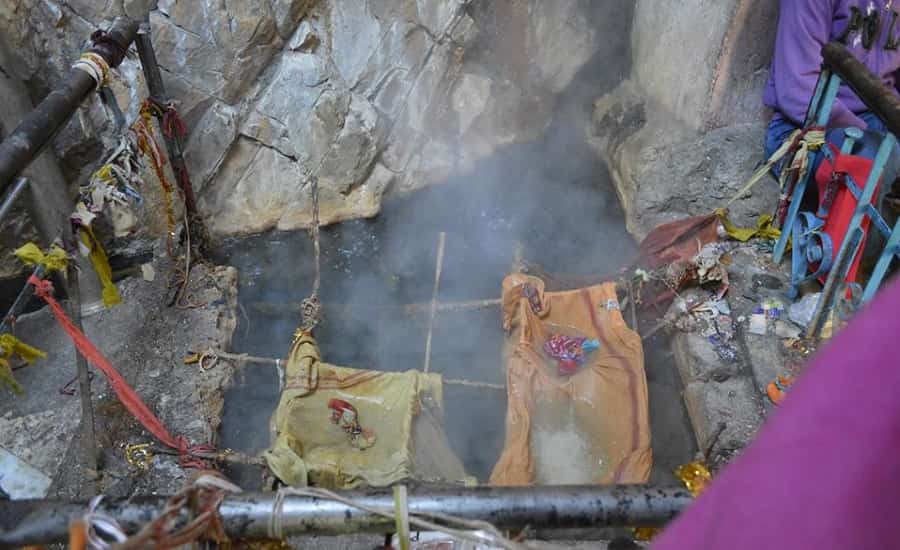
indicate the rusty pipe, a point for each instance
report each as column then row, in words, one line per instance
column 247, row 516
column 878, row 97
column 39, row 126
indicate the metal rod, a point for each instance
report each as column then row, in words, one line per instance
column 247, row 516
column 852, row 240
column 88, row 439
column 10, row 200
column 21, row 301
column 347, row 310
column 822, row 113
column 210, row 354
column 473, row 384
column 879, row 98
column 174, row 146
column 438, row 268
column 40, row 125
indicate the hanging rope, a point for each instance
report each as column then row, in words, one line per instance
column 310, row 308
column 201, row 500
column 189, row 454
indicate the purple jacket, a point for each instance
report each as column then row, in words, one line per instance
column 804, row 26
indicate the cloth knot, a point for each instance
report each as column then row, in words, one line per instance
column 55, row 259
column 42, row 287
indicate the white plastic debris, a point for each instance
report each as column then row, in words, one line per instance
column 20, row 480
column 802, row 311
column 786, row 329
column 148, row 272
column 758, row 324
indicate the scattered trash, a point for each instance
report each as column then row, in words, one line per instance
column 20, row 480
column 569, row 351
column 139, row 455
column 345, row 415
column 764, row 280
column 725, row 350
column 777, row 389
column 786, row 329
column 773, row 308
column 758, row 324
column 148, row 272
column 695, row 476
column 802, row 311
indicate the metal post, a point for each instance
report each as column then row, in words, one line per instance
column 12, row 196
column 852, row 239
column 247, row 516
column 21, row 301
column 884, row 262
column 88, row 439
column 175, row 147
column 40, row 125
column 823, row 114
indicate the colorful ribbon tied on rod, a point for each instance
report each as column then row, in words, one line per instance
column 569, row 351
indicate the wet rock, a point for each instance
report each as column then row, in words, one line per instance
column 257, row 187
column 288, row 13
column 331, row 86
column 469, row 98
column 701, row 171
column 561, row 41
column 219, row 51
column 355, row 35
column 209, row 142
column 436, row 15
column 733, row 402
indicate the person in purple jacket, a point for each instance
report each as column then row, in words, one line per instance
column 871, row 31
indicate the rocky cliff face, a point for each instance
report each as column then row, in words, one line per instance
column 368, row 96
column 685, row 130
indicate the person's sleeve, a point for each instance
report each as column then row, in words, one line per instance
column 804, row 26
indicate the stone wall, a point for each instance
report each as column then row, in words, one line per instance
column 368, row 96
column 686, row 129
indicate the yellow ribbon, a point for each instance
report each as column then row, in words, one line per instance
column 763, row 229
column 101, row 265
column 54, row 260
column 9, row 346
column 695, row 476
column 105, row 174
column 812, row 140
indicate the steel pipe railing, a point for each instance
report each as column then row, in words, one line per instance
column 248, row 516
column 40, row 125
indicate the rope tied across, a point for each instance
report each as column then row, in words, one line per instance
column 190, row 456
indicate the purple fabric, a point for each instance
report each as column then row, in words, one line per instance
column 804, row 26
column 824, row 472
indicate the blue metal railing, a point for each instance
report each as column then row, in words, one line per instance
column 841, row 67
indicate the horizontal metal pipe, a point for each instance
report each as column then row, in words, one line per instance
column 880, row 99
column 14, row 194
column 40, row 125
column 247, row 516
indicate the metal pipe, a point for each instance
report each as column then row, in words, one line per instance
column 40, row 125
column 12, row 197
column 174, row 146
column 247, row 516
column 88, row 435
column 880, row 99
column 21, row 301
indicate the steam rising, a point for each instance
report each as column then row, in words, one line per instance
column 552, row 194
